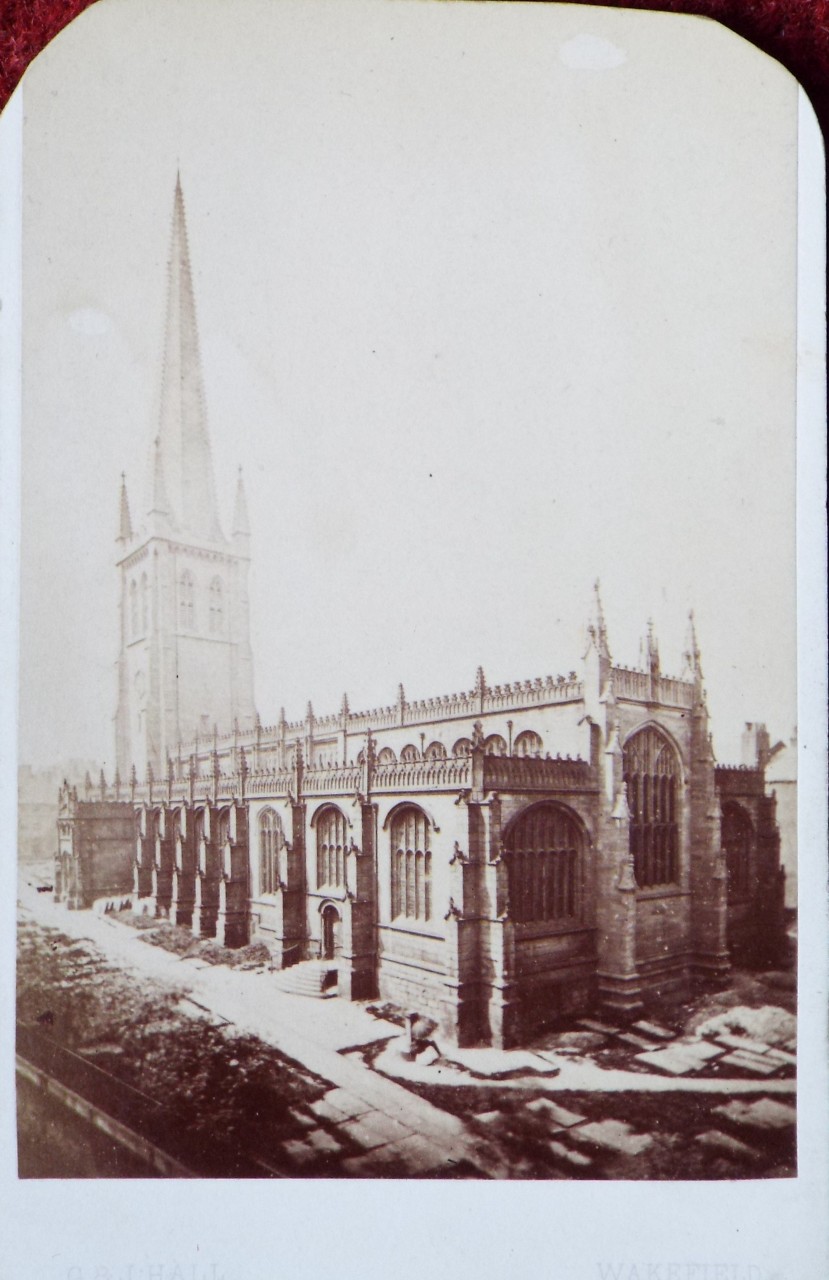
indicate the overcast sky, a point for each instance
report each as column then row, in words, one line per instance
column 493, row 300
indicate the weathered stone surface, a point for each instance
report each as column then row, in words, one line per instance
column 753, row 1063
column 673, row 1061
column 374, row 1130
column 489, row 1117
column 575, row 1158
column 301, row 1152
column 321, row 1141
column 553, row 1113
column 765, row 1114
column 782, row 1056
column 715, row 1140
column 699, row 1050
column 613, row 1135
column 591, row 1024
column 305, row 1121
column 638, row 1042
column 342, row 1102
column 742, row 1042
column 652, row 1029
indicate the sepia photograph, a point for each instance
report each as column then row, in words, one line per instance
column 408, row 680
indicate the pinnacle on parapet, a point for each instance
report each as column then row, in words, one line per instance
column 124, row 520
column 401, row 695
column 692, row 653
column 241, row 522
column 596, row 627
column 480, row 681
column 344, row 707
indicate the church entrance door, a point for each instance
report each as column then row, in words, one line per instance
column 330, row 932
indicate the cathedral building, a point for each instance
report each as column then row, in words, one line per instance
column 497, row 860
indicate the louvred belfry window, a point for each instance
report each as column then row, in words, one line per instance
column 651, row 771
column 411, row 865
column 542, row 850
column 216, row 607
column 186, row 601
column 331, row 845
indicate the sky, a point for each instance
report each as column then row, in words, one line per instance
column 492, row 300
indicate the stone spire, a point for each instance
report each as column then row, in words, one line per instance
column 124, row 521
column 159, row 502
column 241, row 523
column 184, row 440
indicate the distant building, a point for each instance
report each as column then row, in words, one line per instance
column 781, row 781
column 496, row 859
column 37, row 807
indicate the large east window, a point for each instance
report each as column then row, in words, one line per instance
column 651, row 771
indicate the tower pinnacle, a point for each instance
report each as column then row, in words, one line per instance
column 124, row 521
column 241, row 523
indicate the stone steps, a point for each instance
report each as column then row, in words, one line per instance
column 309, row 978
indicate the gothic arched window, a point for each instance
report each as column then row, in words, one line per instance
column 271, row 840
column 527, row 743
column 186, row 601
column 216, row 607
column 435, row 751
column 386, row 756
column 145, row 604
column 411, row 865
column 133, row 609
column 463, row 747
column 495, row 745
column 737, row 833
column 331, row 846
column 651, row 771
column 409, row 754
column 542, row 850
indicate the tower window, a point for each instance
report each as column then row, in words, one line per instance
column 186, row 601
column 145, row 604
column 133, row 609
column 216, row 607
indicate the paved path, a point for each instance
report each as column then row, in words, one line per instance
column 312, row 1032
column 392, row 1124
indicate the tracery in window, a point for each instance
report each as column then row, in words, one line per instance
column 651, row 771
column 737, row 834
column 542, row 850
column 271, row 841
column 411, row 865
column 331, row 846
column 527, row 743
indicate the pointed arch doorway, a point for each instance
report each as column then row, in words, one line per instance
column 331, row 939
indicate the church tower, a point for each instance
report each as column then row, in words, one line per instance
column 184, row 663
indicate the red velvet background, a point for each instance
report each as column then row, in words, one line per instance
column 796, row 32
